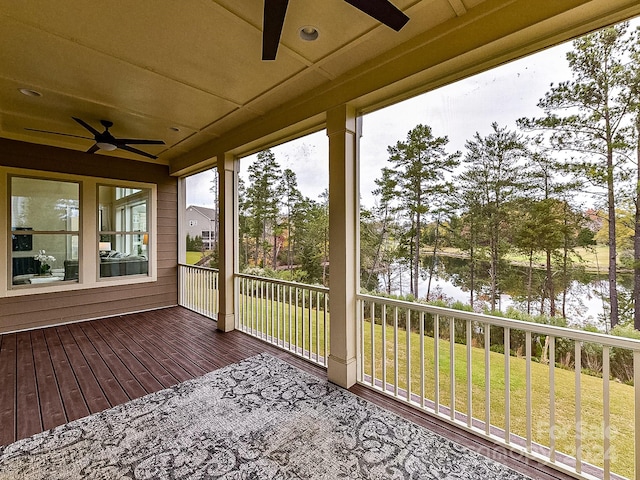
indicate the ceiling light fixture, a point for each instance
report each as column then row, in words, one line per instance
column 108, row 147
column 308, row 33
column 29, row 93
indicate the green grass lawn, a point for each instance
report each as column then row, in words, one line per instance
column 622, row 396
column 193, row 257
column 594, row 258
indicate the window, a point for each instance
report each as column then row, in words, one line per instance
column 45, row 230
column 123, row 234
column 205, row 234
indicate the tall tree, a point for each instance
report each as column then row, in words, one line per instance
column 586, row 115
column 634, row 86
column 261, row 202
column 419, row 167
column 291, row 199
column 383, row 218
column 493, row 171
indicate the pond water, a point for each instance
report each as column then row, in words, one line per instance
column 585, row 298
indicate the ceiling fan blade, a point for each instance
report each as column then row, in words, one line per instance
column 273, row 20
column 137, row 141
column 57, row 133
column 94, row 148
column 383, row 11
column 86, row 125
column 135, row 150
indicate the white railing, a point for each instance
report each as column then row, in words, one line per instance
column 451, row 364
column 198, row 289
column 292, row 316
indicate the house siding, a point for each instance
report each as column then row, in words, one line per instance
column 42, row 309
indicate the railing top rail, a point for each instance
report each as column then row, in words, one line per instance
column 198, row 267
column 315, row 288
column 552, row 330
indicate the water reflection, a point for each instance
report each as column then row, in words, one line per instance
column 581, row 295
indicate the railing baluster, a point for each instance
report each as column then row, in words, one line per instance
column 395, row 351
column 452, row 368
column 304, row 325
column 636, row 388
column 528, row 407
column 487, row 379
column 279, row 331
column 325, row 326
column 606, row 415
column 384, row 348
column 289, row 317
column 318, row 327
column 436, row 362
column 507, row 385
column 408, row 347
column 373, row 344
column 578, row 392
column 469, row 376
column 296, row 320
column 422, row 360
column 552, row 398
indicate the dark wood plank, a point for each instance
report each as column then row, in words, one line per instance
column 151, row 376
column 113, row 391
column 94, row 396
column 188, row 359
column 73, row 400
column 27, row 405
column 8, row 390
column 173, row 363
column 127, row 381
column 49, row 397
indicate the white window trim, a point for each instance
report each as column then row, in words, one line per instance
column 88, row 254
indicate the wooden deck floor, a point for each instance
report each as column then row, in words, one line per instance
column 54, row 375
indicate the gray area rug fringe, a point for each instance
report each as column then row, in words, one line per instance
column 258, row 419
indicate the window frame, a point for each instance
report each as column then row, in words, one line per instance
column 124, row 224
column 88, row 254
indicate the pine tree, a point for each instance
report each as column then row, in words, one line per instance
column 586, row 115
column 419, row 166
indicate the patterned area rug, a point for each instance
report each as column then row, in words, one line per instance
column 258, row 419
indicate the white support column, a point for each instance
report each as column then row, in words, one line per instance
column 182, row 208
column 343, row 244
column 227, row 188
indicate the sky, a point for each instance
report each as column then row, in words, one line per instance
column 458, row 111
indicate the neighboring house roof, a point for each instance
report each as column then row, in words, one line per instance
column 208, row 213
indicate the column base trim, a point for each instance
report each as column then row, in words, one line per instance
column 342, row 372
column 226, row 323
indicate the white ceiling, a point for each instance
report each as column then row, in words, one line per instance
column 191, row 74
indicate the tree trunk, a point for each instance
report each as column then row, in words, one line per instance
column 529, row 281
column 472, row 273
column 493, row 268
column 433, row 258
column 416, row 257
column 613, row 291
column 636, row 236
column 550, row 289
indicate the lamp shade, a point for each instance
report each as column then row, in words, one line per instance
column 102, row 246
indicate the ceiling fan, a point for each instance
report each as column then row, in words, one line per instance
column 106, row 141
column 274, row 12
